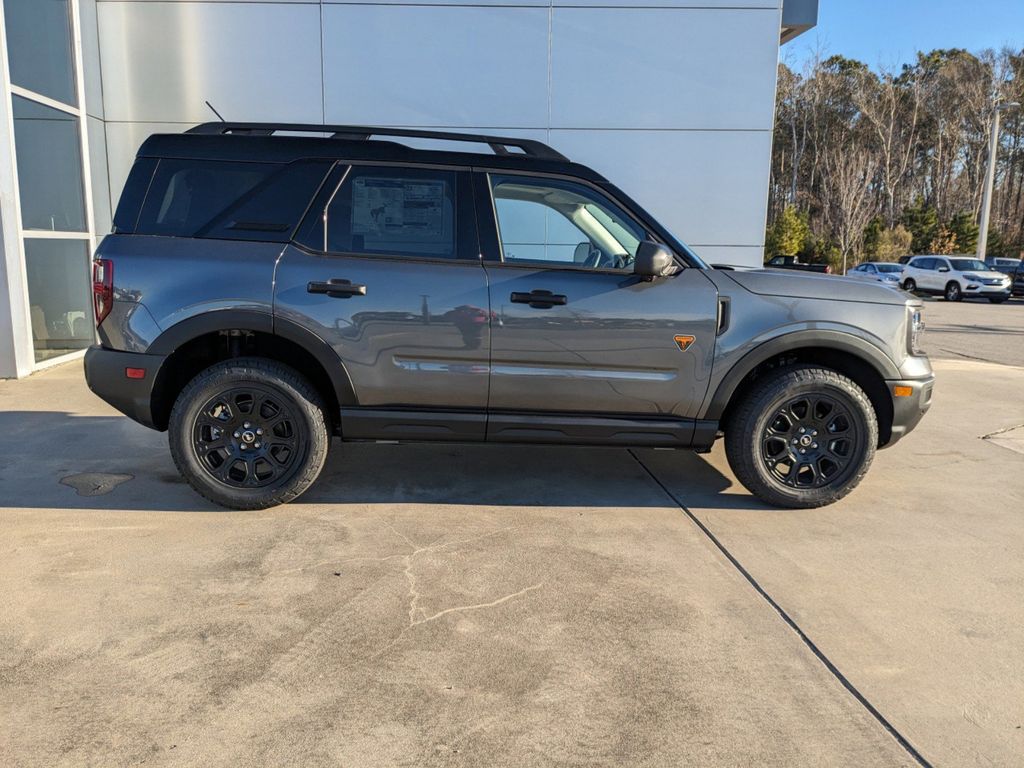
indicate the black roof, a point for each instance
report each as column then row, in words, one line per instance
column 263, row 142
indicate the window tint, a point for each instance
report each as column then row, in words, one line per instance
column 188, row 195
column 394, row 212
column 554, row 222
column 923, row 263
column 271, row 210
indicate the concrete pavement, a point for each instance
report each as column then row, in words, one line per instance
column 473, row 605
column 976, row 330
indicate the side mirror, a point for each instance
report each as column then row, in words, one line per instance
column 943, row 269
column 653, row 260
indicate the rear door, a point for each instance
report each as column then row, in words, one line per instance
column 574, row 330
column 921, row 272
column 387, row 271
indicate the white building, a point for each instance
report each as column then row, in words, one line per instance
column 673, row 100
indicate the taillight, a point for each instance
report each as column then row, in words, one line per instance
column 102, row 288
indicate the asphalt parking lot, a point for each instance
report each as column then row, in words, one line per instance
column 492, row 606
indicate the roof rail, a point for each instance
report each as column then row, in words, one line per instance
column 500, row 144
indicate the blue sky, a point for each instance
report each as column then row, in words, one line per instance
column 889, row 32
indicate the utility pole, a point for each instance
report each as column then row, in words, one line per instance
column 990, row 176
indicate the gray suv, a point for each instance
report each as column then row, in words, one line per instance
column 266, row 287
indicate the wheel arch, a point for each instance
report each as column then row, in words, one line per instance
column 849, row 355
column 200, row 341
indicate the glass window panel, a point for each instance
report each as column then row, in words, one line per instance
column 186, row 195
column 58, row 296
column 395, row 212
column 39, row 47
column 49, row 156
column 547, row 220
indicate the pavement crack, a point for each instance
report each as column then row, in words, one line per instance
column 478, row 606
column 410, row 576
column 902, row 740
column 1002, row 431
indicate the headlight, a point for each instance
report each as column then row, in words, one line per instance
column 915, row 335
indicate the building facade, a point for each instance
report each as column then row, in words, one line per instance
column 671, row 99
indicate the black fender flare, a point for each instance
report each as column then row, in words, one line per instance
column 263, row 322
column 847, row 343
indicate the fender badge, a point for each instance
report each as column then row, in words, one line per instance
column 683, row 342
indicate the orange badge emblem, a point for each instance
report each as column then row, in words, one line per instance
column 683, row 342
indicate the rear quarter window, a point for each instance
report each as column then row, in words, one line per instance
column 229, row 200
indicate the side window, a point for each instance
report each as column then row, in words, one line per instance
column 186, row 195
column 271, row 210
column 394, row 212
column 923, row 263
column 870, row 269
column 940, row 263
column 549, row 222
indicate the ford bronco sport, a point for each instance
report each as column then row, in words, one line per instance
column 266, row 287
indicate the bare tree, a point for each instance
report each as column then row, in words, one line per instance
column 891, row 106
column 848, row 173
column 854, row 144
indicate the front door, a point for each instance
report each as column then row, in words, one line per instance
column 388, row 273
column 574, row 330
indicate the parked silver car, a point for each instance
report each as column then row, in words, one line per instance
column 883, row 272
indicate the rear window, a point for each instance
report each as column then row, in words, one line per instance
column 229, row 200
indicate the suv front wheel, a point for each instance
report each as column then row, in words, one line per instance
column 249, row 433
column 803, row 437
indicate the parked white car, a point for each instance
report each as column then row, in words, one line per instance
column 883, row 272
column 955, row 277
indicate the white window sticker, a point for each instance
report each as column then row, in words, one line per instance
column 399, row 210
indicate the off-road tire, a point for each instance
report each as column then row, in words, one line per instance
column 278, row 381
column 747, row 426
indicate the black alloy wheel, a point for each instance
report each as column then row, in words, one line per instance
column 248, row 437
column 249, row 433
column 810, row 442
column 801, row 436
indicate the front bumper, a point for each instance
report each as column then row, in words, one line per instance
column 908, row 408
column 993, row 291
column 106, row 375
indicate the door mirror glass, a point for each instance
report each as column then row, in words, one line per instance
column 654, row 260
column 943, row 269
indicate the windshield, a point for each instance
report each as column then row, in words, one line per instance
column 970, row 265
column 889, row 267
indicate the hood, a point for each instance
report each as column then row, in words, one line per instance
column 810, row 285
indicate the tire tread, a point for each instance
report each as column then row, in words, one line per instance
column 268, row 372
column 741, row 425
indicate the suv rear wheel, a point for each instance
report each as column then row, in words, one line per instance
column 803, row 437
column 249, row 433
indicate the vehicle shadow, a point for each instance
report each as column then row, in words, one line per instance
column 57, row 460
